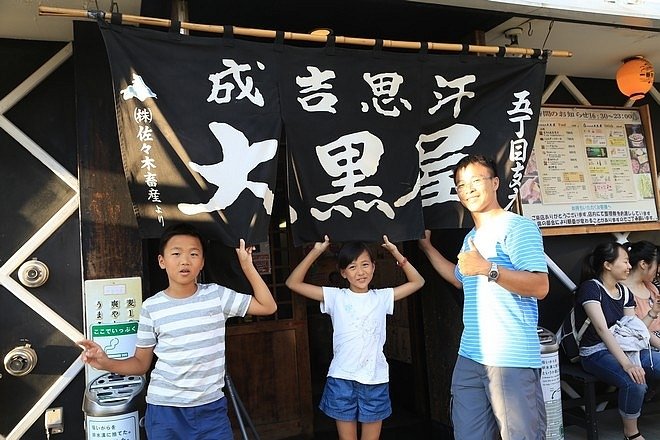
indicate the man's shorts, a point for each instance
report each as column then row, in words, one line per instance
column 204, row 422
column 349, row 401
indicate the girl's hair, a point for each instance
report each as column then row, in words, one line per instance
column 593, row 264
column 350, row 251
column 641, row 251
column 180, row 229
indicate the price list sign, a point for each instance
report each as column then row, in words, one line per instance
column 591, row 167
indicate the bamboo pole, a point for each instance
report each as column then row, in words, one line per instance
column 270, row 34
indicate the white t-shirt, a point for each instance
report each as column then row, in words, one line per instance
column 358, row 321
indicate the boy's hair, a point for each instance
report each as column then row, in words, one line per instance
column 180, row 229
column 350, row 251
column 478, row 159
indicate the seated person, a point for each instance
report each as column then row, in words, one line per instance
column 602, row 298
column 643, row 258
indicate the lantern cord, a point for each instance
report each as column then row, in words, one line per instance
column 270, row 34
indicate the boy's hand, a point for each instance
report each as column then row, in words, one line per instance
column 322, row 246
column 93, row 354
column 244, row 254
column 388, row 245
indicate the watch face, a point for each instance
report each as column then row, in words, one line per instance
column 494, row 273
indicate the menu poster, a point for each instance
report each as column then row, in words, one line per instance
column 590, row 166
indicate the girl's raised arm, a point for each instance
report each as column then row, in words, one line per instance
column 296, row 280
column 415, row 280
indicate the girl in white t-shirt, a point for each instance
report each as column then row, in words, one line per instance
column 356, row 389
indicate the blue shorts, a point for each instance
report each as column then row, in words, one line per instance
column 349, row 401
column 204, row 422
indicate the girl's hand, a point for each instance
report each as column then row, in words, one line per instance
column 636, row 373
column 388, row 245
column 322, row 246
column 244, row 254
column 656, row 303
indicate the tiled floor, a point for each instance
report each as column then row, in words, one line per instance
column 610, row 427
column 401, row 425
column 404, row 426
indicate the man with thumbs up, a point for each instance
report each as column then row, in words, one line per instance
column 496, row 388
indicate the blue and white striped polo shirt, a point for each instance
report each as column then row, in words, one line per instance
column 500, row 327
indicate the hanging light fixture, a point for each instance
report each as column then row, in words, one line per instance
column 513, row 34
column 635, row 77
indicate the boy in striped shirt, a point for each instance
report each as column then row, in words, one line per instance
column 184, row 325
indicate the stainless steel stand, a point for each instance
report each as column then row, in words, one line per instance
column 241, row 413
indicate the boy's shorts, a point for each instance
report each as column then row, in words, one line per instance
column 349, row 401
column 204, row 422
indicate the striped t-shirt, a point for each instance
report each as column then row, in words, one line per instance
column 500, row 327
column 188, row 336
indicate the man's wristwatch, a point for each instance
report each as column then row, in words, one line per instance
column 493, row 273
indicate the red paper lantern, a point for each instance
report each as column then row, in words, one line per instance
column 635, row 77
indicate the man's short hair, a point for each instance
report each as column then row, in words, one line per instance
column 478, row 159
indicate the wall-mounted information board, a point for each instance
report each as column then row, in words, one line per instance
column 592, row 169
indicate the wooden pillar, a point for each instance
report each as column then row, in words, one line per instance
column 111, row 246
column 442, row 306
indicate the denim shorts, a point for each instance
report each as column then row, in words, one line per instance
column 349, row 401
column 204, row 422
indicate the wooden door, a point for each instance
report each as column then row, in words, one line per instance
column 39, row 219
column 268, row 357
